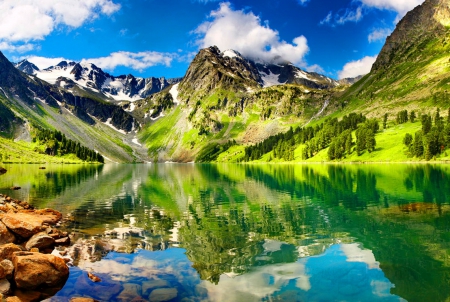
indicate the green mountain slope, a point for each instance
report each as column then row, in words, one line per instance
column 412, row 70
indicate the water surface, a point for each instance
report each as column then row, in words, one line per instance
column 249, row 232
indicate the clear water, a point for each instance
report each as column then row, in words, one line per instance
column 250, row 232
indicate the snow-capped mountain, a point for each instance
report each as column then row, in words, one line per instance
column 271, row 74
column 88, row 76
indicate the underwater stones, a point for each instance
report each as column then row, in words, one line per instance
column 163, row 294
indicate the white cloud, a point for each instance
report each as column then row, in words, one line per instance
column 302, row 2
column 241, row 31
column 399, row 6
column 350, row 16
column 379, row 34
column 137, row 61
column 356, row 68
column 30, row 20
column 43, row 62
column 20, row 48
column 327, row 19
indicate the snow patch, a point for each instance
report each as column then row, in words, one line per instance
column 108, row 123
column 136, row 141
column 302, row 75
column 174, row 92
column 270, row 79
column 230, row 53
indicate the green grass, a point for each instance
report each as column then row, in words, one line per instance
column 23, row 152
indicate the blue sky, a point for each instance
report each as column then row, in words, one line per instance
column 338, row 38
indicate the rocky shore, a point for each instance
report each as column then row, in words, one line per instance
column 28, row 269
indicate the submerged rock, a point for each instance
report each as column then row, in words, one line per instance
column 163, row 294
column 32, row 270
column 2, row 170
column 130, row 291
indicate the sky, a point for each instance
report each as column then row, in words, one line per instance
column 339, row 38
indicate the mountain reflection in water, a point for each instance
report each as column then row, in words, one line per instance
column 250, row 232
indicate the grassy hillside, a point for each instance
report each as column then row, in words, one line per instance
column 24, row 152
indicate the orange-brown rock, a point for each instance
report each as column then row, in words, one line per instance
column 8, row 267
column 40, row 240
column 82, row 299
column 5, row 235
column 28, row 295
column 93, row 277
column 22, row 224
column 32, row 270
column 7, row 250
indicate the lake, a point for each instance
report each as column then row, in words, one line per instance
column 172, row 232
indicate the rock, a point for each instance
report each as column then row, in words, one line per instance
column 93, row 277
column 34, row 250
column 151, row 285
column 42, row 168
column 15, row 188
column 24, row 225
column 129, row 292
column 40, row 240
column 48, row 216
column 8, row 267
column 62, row 241
column 82, row 299
column 5, row 286
column 7, row 250
column 13, row 299
column 138, row 299
column 28, row 295
column 3, row 170
column 163, row 294
column 5, row 235
column 32, row 270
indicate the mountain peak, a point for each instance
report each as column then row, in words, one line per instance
column 428, row 20
column 27, row 67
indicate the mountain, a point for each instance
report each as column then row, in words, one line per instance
column 225, row 97
column 212, row 69
column 93, row 79
column 27, row 102
column 412, row 69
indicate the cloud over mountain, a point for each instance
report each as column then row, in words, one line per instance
column 244, row 32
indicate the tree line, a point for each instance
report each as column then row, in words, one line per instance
column 432, row 139
column 332, row 133
column 56, row 143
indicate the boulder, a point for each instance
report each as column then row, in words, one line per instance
column 8, row 267
column 5, row 286
column 62, row 241
column 163, row 294
column 6, row 236
column 40, row 240
column 7, row 250
column 13, row 299
column 23, row 224
column 28, row 295
column 32, row 270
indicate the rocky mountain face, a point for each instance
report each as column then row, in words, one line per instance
column 94, row 79
column 427, row 21
column 26, row 102
column 212, row 70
